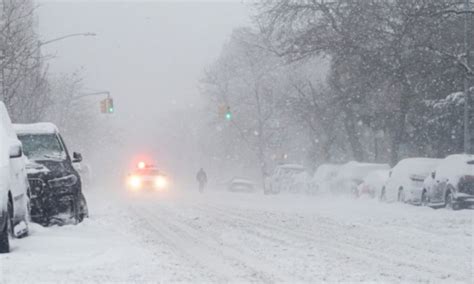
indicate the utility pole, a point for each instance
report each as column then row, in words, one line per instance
column 467, row 95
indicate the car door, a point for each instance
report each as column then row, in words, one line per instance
column 18, row 179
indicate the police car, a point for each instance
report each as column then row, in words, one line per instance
column 147, row 177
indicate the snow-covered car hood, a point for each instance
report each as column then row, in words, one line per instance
column 48, row 169
column 33, row 168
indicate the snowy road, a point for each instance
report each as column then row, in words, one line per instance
column 224, row 237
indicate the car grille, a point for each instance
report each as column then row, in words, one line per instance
column 467, row 187
column 37, row 187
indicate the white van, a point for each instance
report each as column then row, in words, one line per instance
column 14, row 190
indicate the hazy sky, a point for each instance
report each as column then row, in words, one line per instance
column 149, row 55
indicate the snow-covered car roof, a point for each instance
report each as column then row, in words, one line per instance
column 455, row 166
column 356, row 170
column 325, row 171
column 36, row 128
column 415, row 166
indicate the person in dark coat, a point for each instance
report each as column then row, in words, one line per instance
column 201, row 177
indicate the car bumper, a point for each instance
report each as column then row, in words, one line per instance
column 465, row 200
column 47, row 202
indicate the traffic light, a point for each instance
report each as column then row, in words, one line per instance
column 228, row 114
column 110, row 105
column 107, row 105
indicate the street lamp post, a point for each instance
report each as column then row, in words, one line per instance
column 41, row 43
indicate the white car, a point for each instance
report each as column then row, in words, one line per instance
column 287, row 178
column 241, row 185
column 323, row 177
column 451, row 184
column 373, row 183
column 405, row 182
column 4, row 186
column 14, row 188
column 351, row 174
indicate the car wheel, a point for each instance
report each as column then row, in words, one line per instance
column 401, row 195
column 10, row 219
column 26, row 219
column 4, row 241
column 450, row 202
column 424, row 198
column 84, row 210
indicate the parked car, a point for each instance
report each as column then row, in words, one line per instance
column 238, row 184
column 4, row 191
column 373, row 183
column 405, row 182
column 351, row 174
column 14, row 188
column 287, row 178
column 56, row 189
column 323, row 177
column 451, row 184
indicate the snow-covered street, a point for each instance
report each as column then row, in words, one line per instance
column 231, row 237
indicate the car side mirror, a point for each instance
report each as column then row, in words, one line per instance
column 76, row 157
column 15, row 151
column 433, row 175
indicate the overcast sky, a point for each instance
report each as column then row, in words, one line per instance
column 149, row 55
column 143, row 50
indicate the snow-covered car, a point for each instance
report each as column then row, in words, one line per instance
column 451, row 184
column 373, row 183
column 14, row 188
column 405, row 182
column 4, row 192
column 238, row 184
column 351, row 174
column 323, row 177
column 287, row 178
column 147, row 177
column 56, row 189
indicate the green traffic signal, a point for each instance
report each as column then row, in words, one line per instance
column 228, row 115
column 110, row 105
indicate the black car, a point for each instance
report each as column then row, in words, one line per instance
column 56, row 189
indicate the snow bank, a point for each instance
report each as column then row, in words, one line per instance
column 351, row 174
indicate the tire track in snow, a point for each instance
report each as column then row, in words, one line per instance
column 345, row 250
column 227, row 264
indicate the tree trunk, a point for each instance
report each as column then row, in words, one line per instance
column 350, row 127
column 399, row 130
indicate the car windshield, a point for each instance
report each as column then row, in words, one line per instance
column 42, row 146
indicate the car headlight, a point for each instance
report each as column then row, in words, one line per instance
column 161, row 182
column 135, row 182
column 65, row 181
